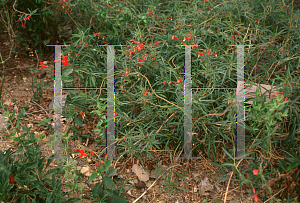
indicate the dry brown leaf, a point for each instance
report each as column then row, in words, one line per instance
column 141, row 174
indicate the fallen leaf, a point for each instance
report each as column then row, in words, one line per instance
column 141, row 174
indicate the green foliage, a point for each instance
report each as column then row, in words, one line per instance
column 105, row 190
column 149, row 102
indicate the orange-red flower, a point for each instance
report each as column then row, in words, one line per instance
column 82, row 153
column 126, row 71
column 174, row 37
column 199, row 54
column 12, row 180
column 27, row 18
column 133, row 41
column 92, row 153
column 255, row 198
column 109, row 6
column 255, row 171
column 209, row 51
column 96, row 164
column 65, row 61
column 82, row 114
column 42, row 65
column 187, row 38
column 285, row 99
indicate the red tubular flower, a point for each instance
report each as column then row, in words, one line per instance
column 164, row 82
column 180, row 80
column 172, row 82
column 209, row 51
column 255, row 172
column 140, row 47
column 12, row 180
column 285, row 99
column 170, row 18
column 82, row 153
column 143, row 103
column 82, row 114
column 42, row 65
column 122, row 74
column 102, row 162
column 184, row 44
column 293, row 86
column 187, row 38
column 127, row 71
column 27, row 18
column 65, row 61
column 199, row 54
column 96, row 164
column 77, row 150
column 255, row 198
column 141, row 60
column 63, row 181
column 207, row 7
column 9, row 104
column 206, row 0
column 133, row 41
column 92, row 153
column 109, row 6
column 150, row 13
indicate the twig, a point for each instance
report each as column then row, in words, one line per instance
column 215, row 114
column 42, row 108
column 274, row 195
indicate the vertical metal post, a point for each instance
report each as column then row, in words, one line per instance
column 110, row 140
column 240, row 153
column 187, row 104
column 57, row 103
